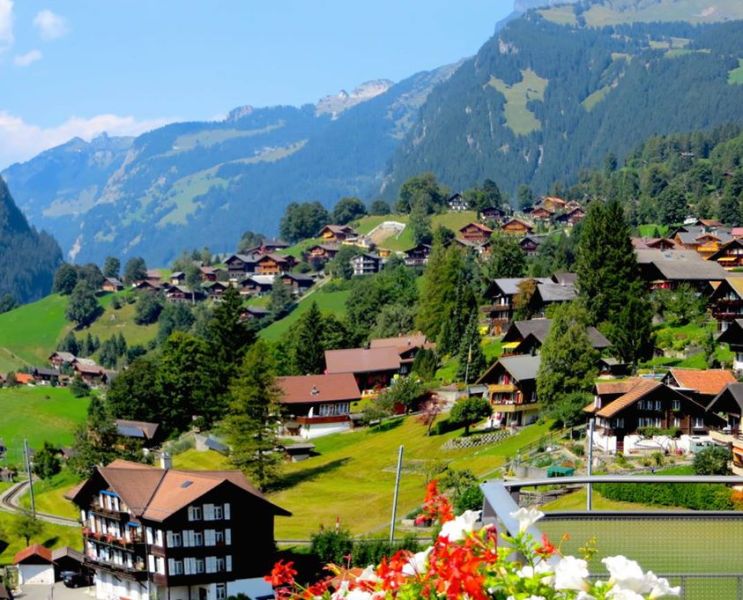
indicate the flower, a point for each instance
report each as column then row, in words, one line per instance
column 281, row 574
column 571, row 573
column 627, row 574
column 545, row 549
column 458, row 528
column 527, row 517
column 661, row 587
column 417, row 563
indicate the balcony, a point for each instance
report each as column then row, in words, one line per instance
column 726, row 436
column 502, row 388
column 137, row 570
column 112, row 540
column 514, row 408
column 319, row 420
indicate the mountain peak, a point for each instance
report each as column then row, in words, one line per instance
column 336, row 104
column 238, row 113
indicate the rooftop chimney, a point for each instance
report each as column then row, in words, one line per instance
column 314, row 391
column 166, row 462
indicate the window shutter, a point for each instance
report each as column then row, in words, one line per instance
column 169, row 538
column 226, row 510
column 228, row 536
column 151, row 563
column 209, row 537
column 211, row 564
column 208, row 512
column 171, row 566
column 228, row 562
column 190, row 513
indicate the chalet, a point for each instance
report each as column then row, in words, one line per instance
column 554, row 203
column 626, row 410
column 517, row 227
column 175, row 534
column 34, row 566
column 44, row 375
column 322, row 252
column 182, row 293
column 702, row 240
column 154, row 276
column 729, row 404
column 60, row 359
column 512, row 390
column 207, row 273
column 267, row 246
column 298, row 282
column 541, row 213
column 668, row 270
column 530, row 244
column 216, row 289
column 112, row 285
column 550, row 293
column 373, row 368
column 366, row 264
column 150, row 434
column 254, row 312
column 479, row 248
column 256, row 285
column 493, row 213
column 317, row 405
column 730, row 255
column 571, row 217
column 457, row 203
column 732, row 335
column 146, row 285
column 653, row 244
column 501, row 293
column 407, row 347
column 177, row 278
column 336, row 233
column 726, row 302
column 92, row 374
column 274, row 264
column 238, row 265
column 527, row 337
column 701, row 385
column 418, row 256
column 475, row 232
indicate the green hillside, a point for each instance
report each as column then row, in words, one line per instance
column 328, row 302
column 31, row 332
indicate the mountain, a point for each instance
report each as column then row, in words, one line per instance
column 28, row 258
column 198, row 184
column 551, row 94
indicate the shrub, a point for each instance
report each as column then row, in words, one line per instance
column 712, row 461
column 693, row 496
column 332, row 545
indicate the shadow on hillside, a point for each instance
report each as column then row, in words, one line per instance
column 51, row 542
column 292, row 479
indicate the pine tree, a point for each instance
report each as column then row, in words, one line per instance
column 471, row 358
column 308, row 355
column 631, row 330
column 253, row 417
column 730, row 207
column 281, row 299
column 435, row 290
column 228, row 336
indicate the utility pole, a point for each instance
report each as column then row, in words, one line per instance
column 394, row 498
column 467, row 369
column 27, row 452
column 589, row 487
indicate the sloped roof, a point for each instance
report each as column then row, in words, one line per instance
column 66, row 551
column 65, row 356
column 555, row 292
column 563, row 277
column 510, row 285
column 637, row 392
column 362, row 360
column 616, row 387
column 731, row 392
column 147, row 430
column 709, row 382
column 480, row 226
column 723, row 249
column 733, row 334
column 34, row 554
column 682, row 265
column 401, row 342
column 329, row 387
column 522, row 367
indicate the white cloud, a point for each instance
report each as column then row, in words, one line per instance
column 6, row 24
column 24, row 60
column 21, row 141
column 50, row 25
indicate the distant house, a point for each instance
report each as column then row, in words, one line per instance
column 571, row 217
column 475, row 232
column 215, row 289
column 317, row 405
column 530, row 244
column 729, row 403
column 550, row 293
column 45, row 375
column 322, row 252
column 147, row 285
column 668, row 270
column 730, row 255
column 623, row 413
column 148, row 433
column 182, row 293
column 653, row 244
column 366, row 264
column 726, row 302
column 479, row 247
column 298, row 282
column 512, row 390
column 407, row 347
column 373, row 368
column 177, row 278
column 207, row 273
column 501, row 293
column 274, row 264
column 112, row 284
column 517, row 227
column 92, row 374
column 254, row 312
column 703, row 240
column 336, row 233
column 701, row 385
column 527, row 337
column 541, row 213
column 733, row 336
column 35, row 566
column 60, row 359
column 256, row 285
column 493, row 213
column 154, row 276
column 239, row 265
column 24, row 378
column 457, row 203
column 418, row 256
column 554, row 203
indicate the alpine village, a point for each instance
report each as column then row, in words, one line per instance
column 233, row 352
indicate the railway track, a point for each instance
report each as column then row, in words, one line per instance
column 9, row 503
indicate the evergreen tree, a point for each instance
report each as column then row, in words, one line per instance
column 175, row 316
column 228, row 335
column 111, row 267
column 506, row 259
column 631, row 330
column 471, row 358
column 439, row 285
column 83, row 306
column 309, row 353
column 65, row 279
column 730, row 207
column 193, row 280
column 568, row 361
column 525, row 197
column 672, row 205
column 95, row 442
column 254, row 416
column 348, row 209
column 135, row 270
column 46, row 462
column 420, row 225
column 281, row 299
column 69, row 344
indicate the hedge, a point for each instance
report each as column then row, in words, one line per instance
column 697, row 496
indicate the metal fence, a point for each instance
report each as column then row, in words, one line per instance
column 700, row 550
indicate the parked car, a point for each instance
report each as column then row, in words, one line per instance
column 74, row 579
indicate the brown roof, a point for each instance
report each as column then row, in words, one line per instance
column 402, row 342
column 36, row 551
column 480, row 226
column 156, row 494
column 148, row 429
column 616, row 387
column 362, row 360
column 709, row 382
column 66, row 551
column 89, row 369
column 638, row 391
column 330, row 387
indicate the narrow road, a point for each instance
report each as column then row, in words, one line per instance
column 9, row 503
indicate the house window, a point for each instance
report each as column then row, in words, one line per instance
column 219, row 536
column 658, row 405
column 220, row 564
column 335, row 409
column 676, row 404
column 698, row 422
column 617, row 423
column 676, row 422
column 221, row 591
column 199, row 566
column 177, row 567
column 194, row 513
column 218, row 512
column 198, row 538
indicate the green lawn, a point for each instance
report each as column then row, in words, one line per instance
column 330, row 302
column 52, row 536
column 112, row 322
column 31, row 332
column 194, row 460
column 735, row 77
column 38, row 414
column 357, row 470
column 49, row 495
column 452, row 220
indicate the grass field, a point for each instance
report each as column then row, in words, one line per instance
column 592, row 100
column 38, row 414
column 193, row 460
column 357, row 470
column 518, row 116
column 331, row 302
column 112, row 322
column 49, row 495
column 52, row 536
column 452, row 220
column 32, row 331
column 563, row 15
column 735, row 77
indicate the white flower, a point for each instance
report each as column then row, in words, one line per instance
column 417, row 564
column 661, row 587
column 456, row 529
column 368, row 574
column 532, row 597
column 628, row 575
column 619, row 593
column 541, row 568
column 570, row 573
column 527, row 517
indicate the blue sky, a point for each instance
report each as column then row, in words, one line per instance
column 78, row 67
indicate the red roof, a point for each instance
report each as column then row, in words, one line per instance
column 330, row 387
column 709, row 382
column 479, row 226
column 362, row 360
column 37, row 552
column 24, row 378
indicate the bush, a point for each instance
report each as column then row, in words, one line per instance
column 79, row 388
column 331, row 546
column 693, row 496
column 444, row 426
column 712, row 461
column 370, row 551
column 469, row 499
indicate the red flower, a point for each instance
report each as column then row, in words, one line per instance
column 546, row 548
column 281, row 574
column 436, row 505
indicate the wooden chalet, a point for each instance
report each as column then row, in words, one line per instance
column 732, row 335
column 669, row 269
column 322, row 252
column 239, row 265
column 177, row 278
column 554, row 203
column 366, row 264
column 317, row 405
column 541, row 213
column 493, row 213
column 298, row 282
column 701, row 385
column 254, row 313
column 59, row 359
column 216, row 289
column 207, row 273
column 729, row 405
column 527, row 337
column 517, row 227
column 726, row 302
column 571, row 217
column 628, row 408
column 92, row 374
column 530, row 244
column 418, row 256
column 457, row 203
column 45, row 375
column 146, row 285
column 182, row 293
column 702, row 239
column 373, row 368
column 337, row 233
column 730, row 255
column 256, row 285
column 407, row 347
column 475, row 232
column 112, row 285
column 501, row 292
column 512, row 390
column 653, row 244
column 274, row 264
column 549, row 293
